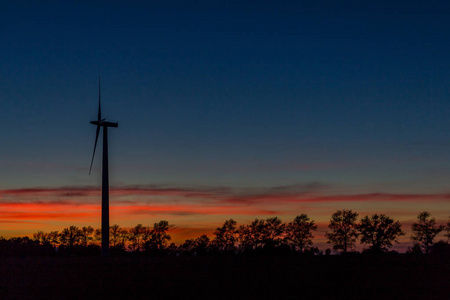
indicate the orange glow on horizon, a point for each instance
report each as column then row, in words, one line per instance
column 196, row 211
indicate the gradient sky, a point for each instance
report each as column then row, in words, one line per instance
column 242, row 109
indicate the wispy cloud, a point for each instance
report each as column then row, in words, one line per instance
column 50, row 192
column 33, row 215
column 182, row 210
column 21, row 222
column 155, row 200
column 197, row 210
column 304, row 192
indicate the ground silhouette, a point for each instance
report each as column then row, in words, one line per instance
column 226, row 277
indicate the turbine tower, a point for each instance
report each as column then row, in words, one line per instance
column 105, row 181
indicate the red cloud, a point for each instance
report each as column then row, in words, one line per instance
column 22, row 222
column 141, row 202
column 70, row 210
column 47, row 216
column 218, row 196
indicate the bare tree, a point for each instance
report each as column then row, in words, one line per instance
column 344, row 231
column 379, row 231
column 299, row 232
column 425, row 230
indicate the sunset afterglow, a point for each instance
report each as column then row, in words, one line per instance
column 227, row 110
column 196, row 211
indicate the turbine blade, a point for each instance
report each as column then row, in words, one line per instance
column 99, row 107
column 95, row 146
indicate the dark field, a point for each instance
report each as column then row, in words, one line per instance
column 293, row 277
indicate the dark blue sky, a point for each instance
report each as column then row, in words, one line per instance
column 228, row 93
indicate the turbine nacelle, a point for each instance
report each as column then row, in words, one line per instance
column 105, row 123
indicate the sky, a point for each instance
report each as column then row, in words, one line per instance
column 226, row 109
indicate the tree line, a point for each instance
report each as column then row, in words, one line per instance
column 376, row 233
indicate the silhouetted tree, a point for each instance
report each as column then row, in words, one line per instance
column 250, row 236
column 70, row 236
column 3, row 245
column 425, row 230
column 344, row 230
column 23, row 246
column 41, row 237
column 118, row 238
column 273, row 233
column 440, row 248
column 86, row 235
column 299, row 232
column 123, row 238
column 98, row 236
column 201, row 244
column 379, row 231
column 114, row 234
column 198, row 246
column 53, row 238
column 146, row 235
column 135, row 238
column 188, row 246
column 244, row 238
column 262, row 234
column 172, row 249
column 415, row 249
column 313, row 251
column 225, row 237
column 158, row 236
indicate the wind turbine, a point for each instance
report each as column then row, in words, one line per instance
column 105, row 181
